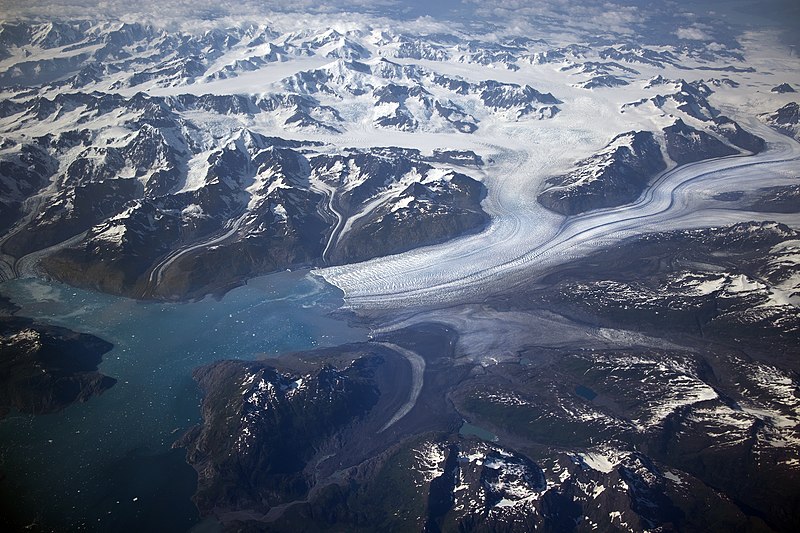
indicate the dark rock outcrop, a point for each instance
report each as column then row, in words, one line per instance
column 44, row 369
column 261, row 427
column 783, row 88
column 615, row 176
column 786, row 119
column 605, row 80
column 776, row 200
column 686, row 144
column 24, row 170
column 423, row 213
column 736, row 135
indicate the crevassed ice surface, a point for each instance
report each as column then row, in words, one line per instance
column 523, row 235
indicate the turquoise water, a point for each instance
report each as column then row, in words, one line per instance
column 468, row 429
column 106, row 464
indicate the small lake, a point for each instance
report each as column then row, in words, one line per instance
column 585, row 392
column 107, row 464
column 468, row 429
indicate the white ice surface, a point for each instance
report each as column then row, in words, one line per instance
column 524, row 239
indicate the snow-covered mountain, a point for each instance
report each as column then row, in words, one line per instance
column 583, row 243
column 163, row 143
column 613, row 176
column 786, row 119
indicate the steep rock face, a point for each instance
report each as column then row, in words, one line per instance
column 24, row 170
column 71, row 211
column 116, row 254
column 261, row 427
column 140, row 173
column 518, row 101
column 689, row 98
column 44, row 369
column 604, row 80
column 409, row 47
column 430, row 212
column 96, row 174
column 361, row 174
column 253, row 206
column 632, row 53
column 392, row 111
column 431, row 483
column 736, row 135
column 456, row 157
column 692, row 99
column 686, row 144
column 783, row 88
column 614, row 176
column 786, row 119
column 737, row 282
column 284, row 231
column 389, row 199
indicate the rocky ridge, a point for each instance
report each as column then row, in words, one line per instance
column 44, row 369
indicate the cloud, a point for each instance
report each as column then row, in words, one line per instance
column 692, row 34
column 175, row 10
column 648, row 21
column 592, row 15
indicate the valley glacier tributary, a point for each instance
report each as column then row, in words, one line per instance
column 105, row 460
column 524, row 239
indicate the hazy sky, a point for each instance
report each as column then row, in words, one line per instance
column 663, row 18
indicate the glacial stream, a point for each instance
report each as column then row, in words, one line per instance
column 107, row 464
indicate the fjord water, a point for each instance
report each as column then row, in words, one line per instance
column 107, row 464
